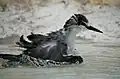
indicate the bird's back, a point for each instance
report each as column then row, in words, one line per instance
column 50, row 46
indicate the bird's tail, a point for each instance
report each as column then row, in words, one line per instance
column 37, row 38
column 10, row 57
column 25, row 44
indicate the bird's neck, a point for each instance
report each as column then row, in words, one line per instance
column 71, row 36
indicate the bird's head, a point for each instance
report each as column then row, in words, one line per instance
column 79, row 21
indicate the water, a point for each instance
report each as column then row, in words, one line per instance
column 101, row 61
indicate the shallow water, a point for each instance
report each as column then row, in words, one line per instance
column 101, row 61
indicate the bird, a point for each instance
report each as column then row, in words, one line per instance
column 55, row 45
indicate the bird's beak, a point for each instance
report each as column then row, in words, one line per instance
column 92, row 28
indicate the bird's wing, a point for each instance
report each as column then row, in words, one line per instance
column 36, row 39
column 52, row 50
